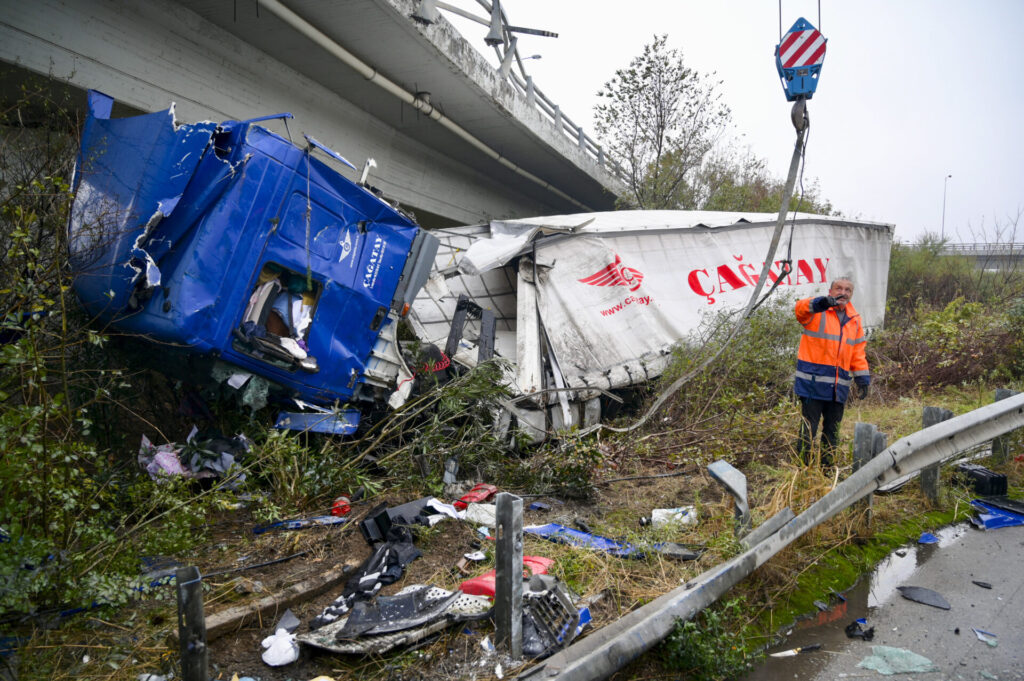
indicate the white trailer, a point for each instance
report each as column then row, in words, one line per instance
column 596, row 301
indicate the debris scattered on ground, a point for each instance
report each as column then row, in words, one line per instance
column 560, row 534
column 887, row 661
column 660, row 517
column 855, row 630
column 422, row 610
column 484, row 584
column 983, row 585
column 197, row 458
column 796, row 651
column 993, row 515
column 983, row 480
column 341, row 506
column 384, row 566
column 280, row 647
column 301, row 523
column 928, row 538
column 481, row 492
column 919, row 594
column 988, row 637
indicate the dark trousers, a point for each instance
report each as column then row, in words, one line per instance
column 814, row 411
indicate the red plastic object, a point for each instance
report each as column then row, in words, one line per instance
column 341, row 507
column 482, row 492
column 484, row 584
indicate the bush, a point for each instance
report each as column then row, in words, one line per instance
column 75, row 517
column 960, row 343
column 706, row 648
column 753, row 373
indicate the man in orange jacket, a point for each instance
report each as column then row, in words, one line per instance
column 831, row 358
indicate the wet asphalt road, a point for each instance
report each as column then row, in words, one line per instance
column 963, row 554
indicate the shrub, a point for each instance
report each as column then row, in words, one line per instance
column 960, row 343
column 75, row 517
column 706, row 648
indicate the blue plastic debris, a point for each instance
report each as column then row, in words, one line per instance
column 226, row 242
column 561, row 534
column 992, row 518
column 343, row 422
column 301, row 523
column 928, row 538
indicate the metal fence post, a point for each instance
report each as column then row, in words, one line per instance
column 1000, row 445
column 508, row 579
column 195, row 657
column 864, row 435
column 930, row 475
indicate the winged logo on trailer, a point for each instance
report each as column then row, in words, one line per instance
column 615, row 274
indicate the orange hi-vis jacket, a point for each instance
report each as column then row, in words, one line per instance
column 831, row 354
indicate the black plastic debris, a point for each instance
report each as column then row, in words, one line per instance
column 984, row 481
column 550, row 619
column 289, row 622
column 384, row 566
column 854, row 630
column 919, row 594
column 375, row 528
column 388, row 614
column 1005, row 503
column 983, row 585
column 671, row 549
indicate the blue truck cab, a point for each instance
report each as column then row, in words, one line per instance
column 229, row 241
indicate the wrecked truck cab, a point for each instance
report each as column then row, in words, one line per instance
column 232, row 243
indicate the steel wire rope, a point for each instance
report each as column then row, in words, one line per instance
column 788, row 261
column 802, row 123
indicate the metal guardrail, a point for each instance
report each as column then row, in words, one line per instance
column 601, row 654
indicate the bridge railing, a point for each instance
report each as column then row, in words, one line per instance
column 525, row 85
column 983, row 248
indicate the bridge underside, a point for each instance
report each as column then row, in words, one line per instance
column 237, row 60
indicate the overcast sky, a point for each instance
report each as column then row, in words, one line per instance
column 910, row 92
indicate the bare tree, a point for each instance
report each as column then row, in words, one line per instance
column 659, row 119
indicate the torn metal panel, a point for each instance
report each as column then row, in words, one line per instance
column 227, row 241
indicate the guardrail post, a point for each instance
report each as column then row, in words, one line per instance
column 930, row 475
column 558, row 119
column 195, row 656
column 735, row 483
column 864, row 436
column 508, row 579
column 1000, row 446
column 531, row 91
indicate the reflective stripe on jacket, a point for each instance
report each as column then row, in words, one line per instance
column 831, row 354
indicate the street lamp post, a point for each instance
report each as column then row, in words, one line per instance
column 944, row 182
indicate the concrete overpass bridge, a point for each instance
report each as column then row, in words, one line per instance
column 454, row 139
column 989, row 256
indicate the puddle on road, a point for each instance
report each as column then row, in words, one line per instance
column 828, row 628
